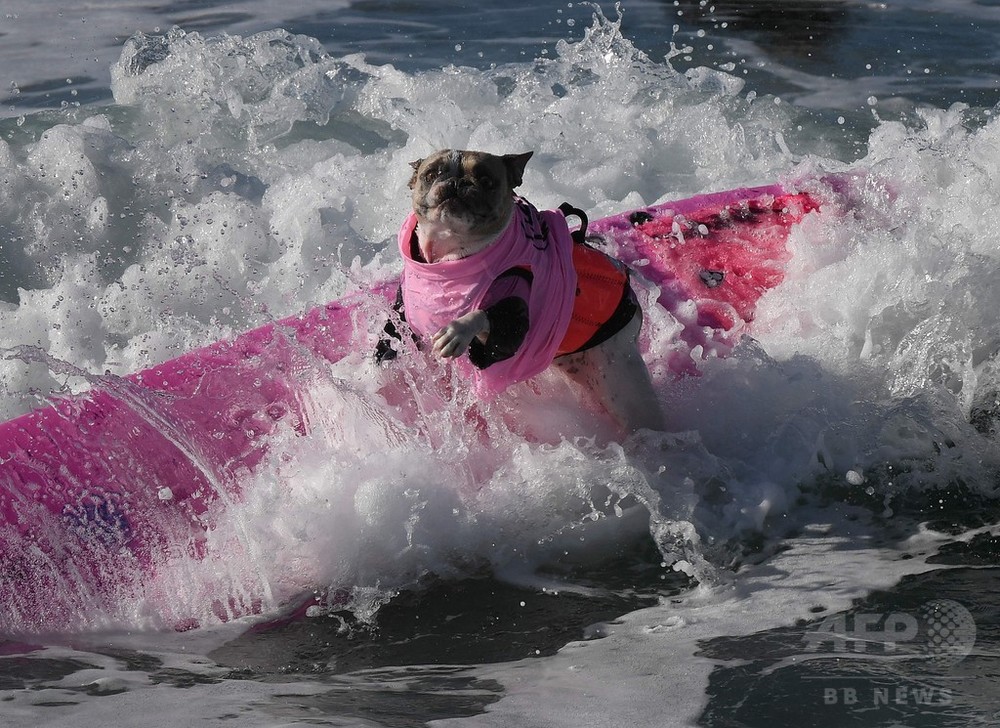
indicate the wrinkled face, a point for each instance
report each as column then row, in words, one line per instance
column 467, row 192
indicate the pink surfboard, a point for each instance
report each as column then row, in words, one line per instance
column 96, row 490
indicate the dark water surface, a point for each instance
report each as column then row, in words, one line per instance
column 833, row 56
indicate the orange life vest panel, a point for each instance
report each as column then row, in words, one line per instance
column 600, row 285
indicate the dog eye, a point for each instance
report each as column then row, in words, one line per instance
column 433, row 173
column 487, row 183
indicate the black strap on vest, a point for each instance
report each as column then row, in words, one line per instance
column 579, row 236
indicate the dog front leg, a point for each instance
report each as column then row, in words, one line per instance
column 454, row 339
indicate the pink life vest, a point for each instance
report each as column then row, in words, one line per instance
column 435, row 294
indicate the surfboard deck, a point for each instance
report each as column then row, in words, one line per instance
column 97, row 490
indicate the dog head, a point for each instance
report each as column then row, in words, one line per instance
column 469, row 193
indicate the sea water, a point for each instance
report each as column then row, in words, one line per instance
column 812, row 544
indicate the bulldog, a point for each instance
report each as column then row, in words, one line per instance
column 485, row 273
column 463, row 201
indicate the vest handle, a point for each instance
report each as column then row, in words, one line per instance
column 579, row 236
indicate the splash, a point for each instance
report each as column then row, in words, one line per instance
column 237, row 180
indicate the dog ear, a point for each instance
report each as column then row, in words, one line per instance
column 416, row 168
column 515, row 164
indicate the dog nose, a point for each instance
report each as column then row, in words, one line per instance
column 446, row 188
column 460, row 185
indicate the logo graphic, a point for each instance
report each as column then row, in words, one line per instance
column 951, row 630
column 941, row 632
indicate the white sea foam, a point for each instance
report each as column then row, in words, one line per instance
column 79, row 42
